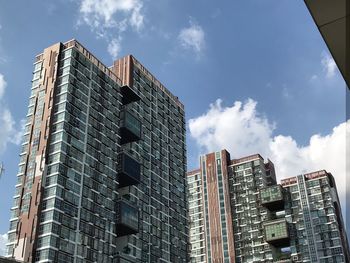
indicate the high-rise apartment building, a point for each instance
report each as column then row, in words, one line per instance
column 230, row 218
column 247, row 176
column 102, row 167
column 239, row 213
column 211, row 236
column 313, row 209
column 197, row 237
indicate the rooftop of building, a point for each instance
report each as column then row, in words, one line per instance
column 232, row 161
column 284, row 182
column 109, row 72
column 246, row 159
column 308, row 176
column 193, row 172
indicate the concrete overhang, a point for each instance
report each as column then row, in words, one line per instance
column 332, row 20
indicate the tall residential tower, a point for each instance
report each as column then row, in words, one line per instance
column 239, row 214
column 226, row 226
column 102, row 167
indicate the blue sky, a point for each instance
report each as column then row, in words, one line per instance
column 267, row 56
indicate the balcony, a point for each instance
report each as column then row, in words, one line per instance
column 127, row 219
column 130, row 127
column 129, row 170
column 129, row 95
column 277, row 233
column 272, row 198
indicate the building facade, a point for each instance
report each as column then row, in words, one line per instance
column 247, row 176
column 299, row 220
column 314, row 211
column 230, row 218
column 196, row 220
column 102, row 167
column 162, row 193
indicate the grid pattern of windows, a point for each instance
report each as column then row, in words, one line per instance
column 222, row 204
column 246, row 179
column 80, row 184
column 271, row 194
column 86, row 215
column 161, row 194
column 299, row 220
column 196, row 215
column 313, row 211
column 27, row 164
column 276, row 230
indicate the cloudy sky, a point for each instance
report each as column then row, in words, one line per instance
column 255, row 76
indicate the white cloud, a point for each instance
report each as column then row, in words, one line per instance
column 137, row 18
column 114, row 47
column 314, row 77
column 110, row 18
column 9, row 133
column 286, row 93
column 239, row 127
column 328, row 65
column 18, row 132
column 243, row 131
column 2, row 86
column 112, row 13
column 192, row 38
column 216, row 13
column 3, row 241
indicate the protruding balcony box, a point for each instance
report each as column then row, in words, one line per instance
column 272, row 198
column 277, row 233
column 129, row 95
column 127, row 220
column 130, row 127
column 128, row 170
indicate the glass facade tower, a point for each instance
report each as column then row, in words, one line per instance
column 102, row 167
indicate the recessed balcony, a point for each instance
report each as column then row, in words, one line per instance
column 127, row 220
column 272, row 198
column 129, row 95
column 129, row 170
column 130, row 127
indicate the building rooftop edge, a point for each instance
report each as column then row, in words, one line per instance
column 108, row 69
column 192, row 172
column 75, row 43
column 154, row 79
column 246, row 159
column 309, row 176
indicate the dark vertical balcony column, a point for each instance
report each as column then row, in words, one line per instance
column 130, row 127
column 127, row 219
column 129, row 170
column 129, row 95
